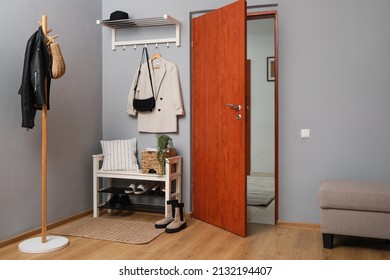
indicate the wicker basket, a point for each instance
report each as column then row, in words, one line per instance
column 57, row 60
column 150, row 163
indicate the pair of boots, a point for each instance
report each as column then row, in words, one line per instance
column 175, row 221
column 119, row 201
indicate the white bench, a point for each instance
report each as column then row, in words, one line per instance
column 138, row 175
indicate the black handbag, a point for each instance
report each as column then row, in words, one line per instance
column 148, row 104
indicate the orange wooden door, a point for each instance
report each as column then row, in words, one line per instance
column 218, row 130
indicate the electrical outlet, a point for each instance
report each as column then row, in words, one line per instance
column 305, row 133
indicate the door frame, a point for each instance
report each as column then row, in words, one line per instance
column 250, row 16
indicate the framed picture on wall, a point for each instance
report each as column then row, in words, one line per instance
column 270, row 69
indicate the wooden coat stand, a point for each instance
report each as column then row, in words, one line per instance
column 44, row 244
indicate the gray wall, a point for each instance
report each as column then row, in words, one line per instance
column 74, row 121
column 334, row 79
column 119, row 68
column 334, row 65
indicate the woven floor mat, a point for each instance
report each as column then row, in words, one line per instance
column 118, row 230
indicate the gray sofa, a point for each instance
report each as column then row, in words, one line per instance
column 354, row 208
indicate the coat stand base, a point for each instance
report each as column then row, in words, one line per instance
column 35, row 245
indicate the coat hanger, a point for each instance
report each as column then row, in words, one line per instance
column 156, row 55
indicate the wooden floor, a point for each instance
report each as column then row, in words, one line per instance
column 201, row 241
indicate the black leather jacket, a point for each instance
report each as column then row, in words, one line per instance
column 36, row 70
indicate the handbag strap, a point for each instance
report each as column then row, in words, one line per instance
column 144, row 50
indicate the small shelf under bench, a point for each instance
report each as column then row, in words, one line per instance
column 141, row 202
column 138, row 202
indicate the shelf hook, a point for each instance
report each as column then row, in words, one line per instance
column 168, row 45
column 124, row 47
column 135, row 47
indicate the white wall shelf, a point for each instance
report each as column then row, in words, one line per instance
column 137, row 23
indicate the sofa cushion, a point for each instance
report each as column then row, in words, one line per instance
column 355, row 195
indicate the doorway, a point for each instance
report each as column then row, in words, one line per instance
column 262, row 127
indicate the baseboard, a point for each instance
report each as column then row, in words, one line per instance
column 285, row 224
column 33, row 232
column 262, row 174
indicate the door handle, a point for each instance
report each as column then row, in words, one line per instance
column 234, row 107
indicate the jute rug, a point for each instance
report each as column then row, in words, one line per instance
column 260, row 190
column 118, row 230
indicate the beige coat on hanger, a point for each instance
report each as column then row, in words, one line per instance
column 167, row 90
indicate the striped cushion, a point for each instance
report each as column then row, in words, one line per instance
column 119, row 155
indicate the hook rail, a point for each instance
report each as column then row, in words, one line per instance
column 146, row 22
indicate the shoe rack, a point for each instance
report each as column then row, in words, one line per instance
column 106, row 195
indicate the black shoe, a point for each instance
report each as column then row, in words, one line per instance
column 154, row 188
column 124, row 201
column 160, row 191
column 113, row 201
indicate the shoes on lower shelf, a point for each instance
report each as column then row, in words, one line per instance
column 154, row 188
column 113, row 201
column 124, row 201
column 141, row 189
column 130, row 189
column 119, row 201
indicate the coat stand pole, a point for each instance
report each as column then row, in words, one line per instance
column 44, row 244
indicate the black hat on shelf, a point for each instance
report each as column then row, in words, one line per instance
column 117, row 15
